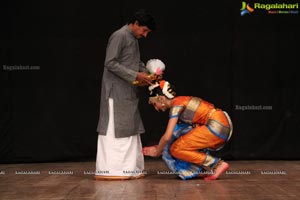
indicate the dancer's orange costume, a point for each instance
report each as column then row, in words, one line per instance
column 212, row 129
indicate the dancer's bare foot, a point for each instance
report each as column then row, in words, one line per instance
column 220, row 169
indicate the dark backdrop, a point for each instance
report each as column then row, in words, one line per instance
column 245, row 65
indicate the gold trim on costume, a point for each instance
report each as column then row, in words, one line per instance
column 174, row 111
column 209, row 160
column 189, row 112
column 218, row 129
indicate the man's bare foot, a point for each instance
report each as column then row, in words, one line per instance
column 220, row 169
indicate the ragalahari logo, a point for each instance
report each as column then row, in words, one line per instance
column 246, row 9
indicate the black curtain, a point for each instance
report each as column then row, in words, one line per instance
column 52, row 57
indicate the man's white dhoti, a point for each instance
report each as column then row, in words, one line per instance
column 118, row 156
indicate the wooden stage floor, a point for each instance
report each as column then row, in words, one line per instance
column 255, row 179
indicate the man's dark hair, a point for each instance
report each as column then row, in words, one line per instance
column 144, row 18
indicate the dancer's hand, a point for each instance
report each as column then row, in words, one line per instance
column 151, row 151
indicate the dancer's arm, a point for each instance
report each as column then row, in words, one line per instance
column 155, row 151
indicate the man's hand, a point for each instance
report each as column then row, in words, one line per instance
column 151, row 151
column 143, row 79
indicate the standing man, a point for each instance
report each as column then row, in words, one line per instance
column 119, row 153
